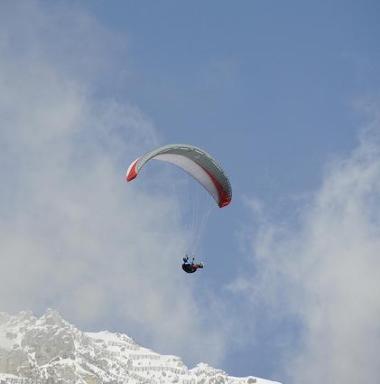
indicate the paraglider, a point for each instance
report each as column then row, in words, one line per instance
column 190, row 267
column 198, row 164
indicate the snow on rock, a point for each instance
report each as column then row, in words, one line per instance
column 49, row 350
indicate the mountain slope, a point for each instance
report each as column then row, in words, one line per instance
column 50, row 350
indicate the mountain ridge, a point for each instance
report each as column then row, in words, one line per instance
column 49, row 350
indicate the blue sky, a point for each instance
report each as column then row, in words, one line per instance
column 268, row 87
column 284, row 94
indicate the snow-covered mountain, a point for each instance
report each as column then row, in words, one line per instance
column 49, row 350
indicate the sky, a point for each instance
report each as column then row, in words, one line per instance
column 286, row 95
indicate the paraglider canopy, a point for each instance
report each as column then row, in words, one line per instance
column 196, row 162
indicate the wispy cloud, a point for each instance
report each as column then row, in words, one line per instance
column 323, row 274
column 73, row 235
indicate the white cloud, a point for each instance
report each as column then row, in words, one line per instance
column 73, row 235
column 324, row 273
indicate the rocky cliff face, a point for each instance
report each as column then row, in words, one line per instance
column 49, row 350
